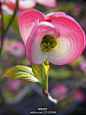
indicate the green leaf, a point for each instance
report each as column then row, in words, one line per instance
column 41, row 73
column 22, row 73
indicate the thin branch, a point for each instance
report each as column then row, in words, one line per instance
column 1, row 23
column 5, row 31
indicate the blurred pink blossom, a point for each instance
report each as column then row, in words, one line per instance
column 9, row 5
column 48, row 3
column 60, row 91
column 6, row 10
column 16, row 48
column 13, row 84
column 23, row 4
column 76, row 9
column 79, row 96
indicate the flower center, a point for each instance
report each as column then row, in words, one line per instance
column 15, row 48
column 48, row 42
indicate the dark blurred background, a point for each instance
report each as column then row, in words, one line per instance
column 21, row 98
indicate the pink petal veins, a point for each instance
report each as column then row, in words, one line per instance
column 70, row 43
column 25, row 21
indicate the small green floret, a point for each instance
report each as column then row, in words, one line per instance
column 48, row 42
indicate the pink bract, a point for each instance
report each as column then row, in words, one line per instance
column 49, row 3
column 6, row 10
column 70, row 37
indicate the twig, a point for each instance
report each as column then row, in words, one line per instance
column 5, row 31
column 48, row 97
column 1, row 23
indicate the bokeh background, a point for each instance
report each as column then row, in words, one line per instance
column 21, row 98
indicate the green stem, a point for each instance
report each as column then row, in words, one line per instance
column 5, row 31
column 46, row 78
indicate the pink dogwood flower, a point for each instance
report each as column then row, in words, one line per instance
column 76, row 9
column 15, row 48
column 60, row 91
column 25, row 4
column 9, row 5
column 56, row 36
column 79, row 96
column 13, row 84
